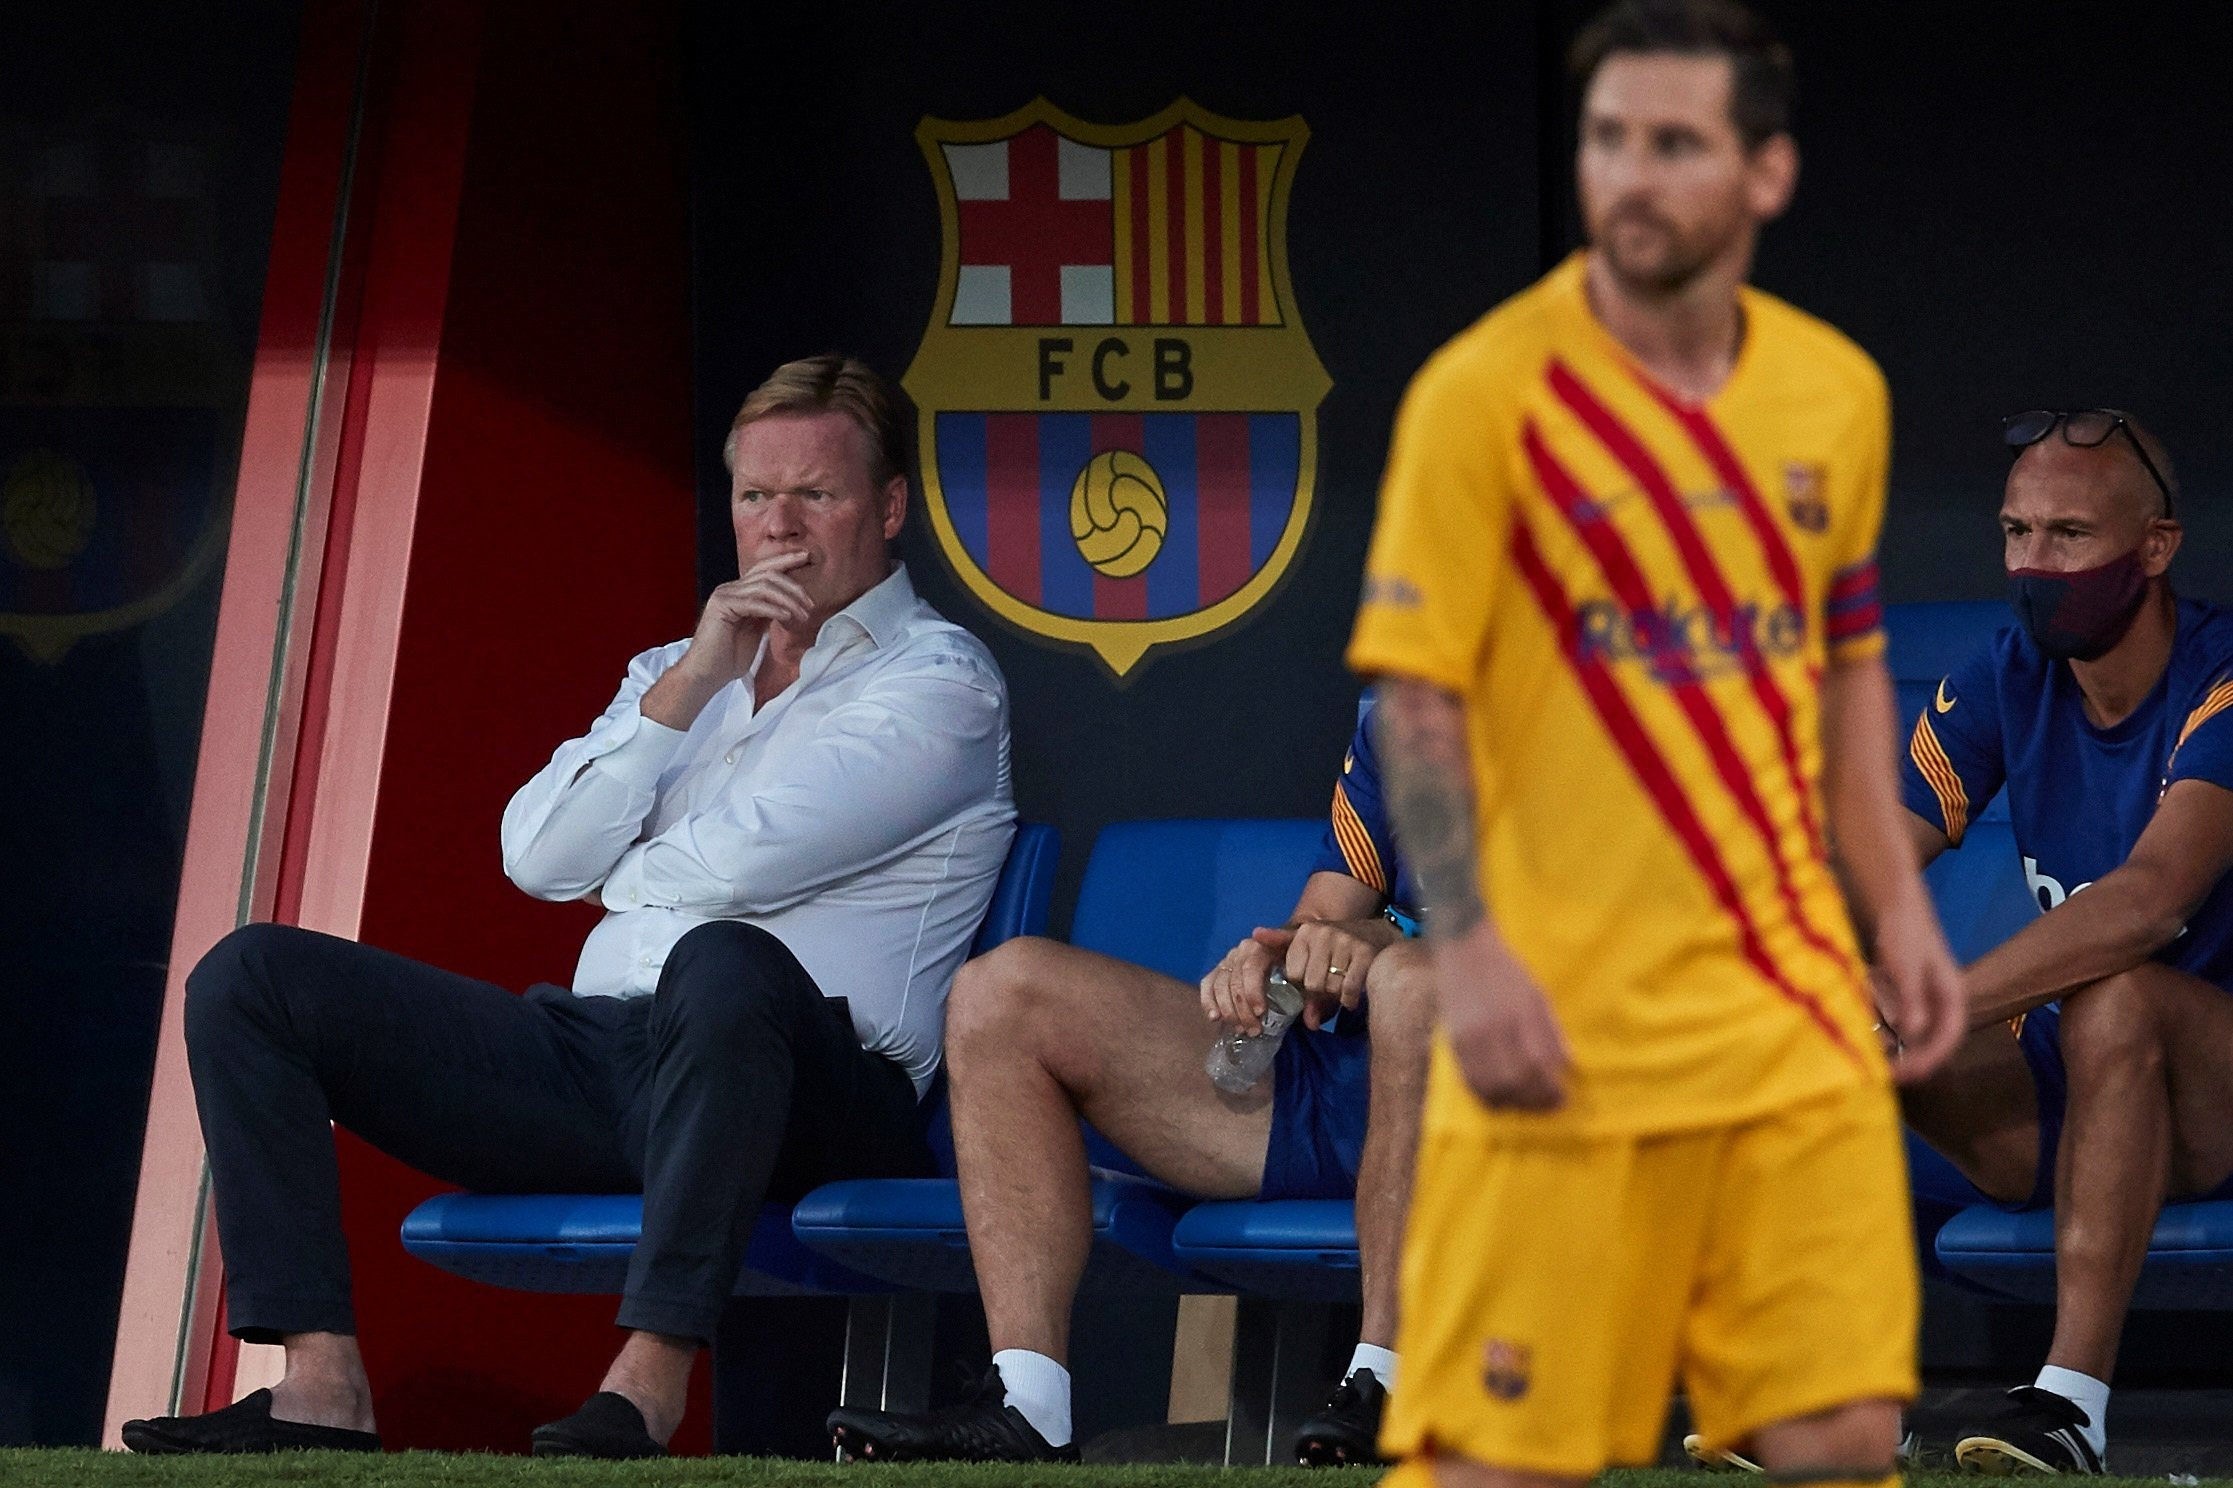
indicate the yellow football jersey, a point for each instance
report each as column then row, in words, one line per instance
column 1636, row 598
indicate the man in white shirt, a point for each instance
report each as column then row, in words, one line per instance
column 794, row 820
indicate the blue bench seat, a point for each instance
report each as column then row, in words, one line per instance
column 582, row 1242
column 2189, row 1267
column 909, row 1232
column 1301, row 1250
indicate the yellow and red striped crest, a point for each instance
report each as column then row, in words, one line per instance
column 1117, row 399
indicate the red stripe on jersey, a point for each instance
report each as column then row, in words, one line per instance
column 1618, row 564
column 1625, row 447
column 1658, row 780
column 1774, row 545
column 1782, row 563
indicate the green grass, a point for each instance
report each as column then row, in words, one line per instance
column 73, row 1468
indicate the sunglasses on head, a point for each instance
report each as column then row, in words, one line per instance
column 2083, row 427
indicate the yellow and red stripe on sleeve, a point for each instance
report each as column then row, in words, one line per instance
column 2220, row 698
column 1357, row 848
column 1944, row 780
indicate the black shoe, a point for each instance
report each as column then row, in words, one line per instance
column 982, row 1428
column 246, row 1425
column 607, row 1425
column 1345, row 1431
column 2037, row 1431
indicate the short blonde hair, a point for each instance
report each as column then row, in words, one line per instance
column 830, row 384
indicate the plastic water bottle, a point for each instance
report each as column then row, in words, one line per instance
column 1238, row 1060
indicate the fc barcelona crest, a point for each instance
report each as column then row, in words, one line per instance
column 1118, row 401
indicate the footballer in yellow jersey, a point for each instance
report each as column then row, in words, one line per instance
column 1622, row 602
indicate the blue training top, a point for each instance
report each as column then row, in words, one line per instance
column 1360, row 841
column 2079, row 796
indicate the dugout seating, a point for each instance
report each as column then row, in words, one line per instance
column 1982, row 899
column 2189, row 1266
column 581, row 1242
column 1173, row 896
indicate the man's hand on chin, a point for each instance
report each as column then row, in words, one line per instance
column 736, row 616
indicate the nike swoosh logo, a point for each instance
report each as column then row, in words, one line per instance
column 1942, row 702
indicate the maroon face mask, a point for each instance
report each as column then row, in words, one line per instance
column 2079, row 616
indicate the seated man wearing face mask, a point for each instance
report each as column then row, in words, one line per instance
column 2098, row 1075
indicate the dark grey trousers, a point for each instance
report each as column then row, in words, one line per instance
column 736, row 1081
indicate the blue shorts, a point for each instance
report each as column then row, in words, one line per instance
column 1321, row 1091
column 2040, row 1038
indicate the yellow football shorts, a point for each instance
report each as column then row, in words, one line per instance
column 1555, row 1289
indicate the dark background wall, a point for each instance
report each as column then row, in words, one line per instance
column 2019, row 206
column 136, row 189
column 1414, row 207
column 2009, row 205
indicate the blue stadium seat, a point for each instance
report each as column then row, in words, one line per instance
column 1026, row 887
column 581, row 1242
column 1928, row 640
column 1180, row 922
column 2190, row 1256
column 1980, row 891
column 1173, row 896
column 1301, row 1250
column 909, row 1232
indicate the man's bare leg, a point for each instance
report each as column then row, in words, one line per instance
column 325, row 1384
column 2149, row 1113
column 1857, row 1441
column 653, row 1371
column 1037, row 1034
column 1402, row 1029
column 1981, row 1113
column 2150, row 1060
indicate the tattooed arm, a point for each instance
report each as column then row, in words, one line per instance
column 1498, row 1022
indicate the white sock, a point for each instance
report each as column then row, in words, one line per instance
column 1382, row 1363
column 2089, row 1394
column 1040, row 1388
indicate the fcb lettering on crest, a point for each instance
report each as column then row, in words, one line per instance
column 1117, row 399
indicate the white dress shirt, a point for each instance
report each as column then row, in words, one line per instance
column 861, row 817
